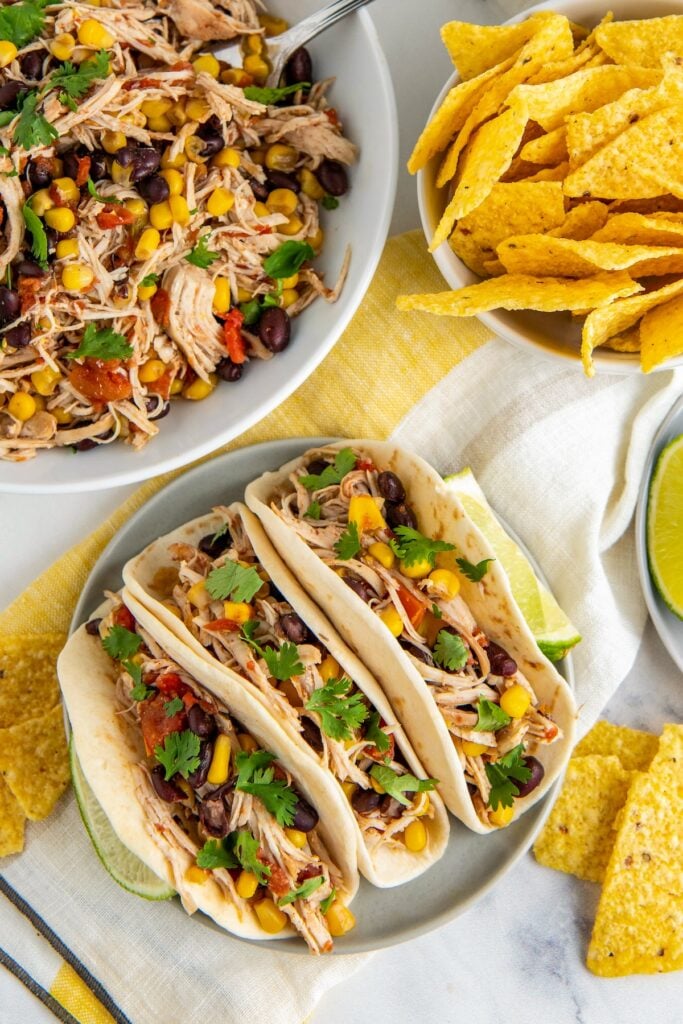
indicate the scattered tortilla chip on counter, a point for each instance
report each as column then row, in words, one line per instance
column 11, row 822
column 634, row 748
column 28, row 677
column 34, row 762
column 579, row 834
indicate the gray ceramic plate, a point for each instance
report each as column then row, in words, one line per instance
column 471, row 865
column 669, row 627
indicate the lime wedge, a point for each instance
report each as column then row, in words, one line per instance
column 665, row 526
column 123, row 866
column 551, row 628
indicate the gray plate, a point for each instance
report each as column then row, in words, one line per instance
column 471, row 865
column 669, row 627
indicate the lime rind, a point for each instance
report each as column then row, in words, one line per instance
column 124, row 867
column 665, row 526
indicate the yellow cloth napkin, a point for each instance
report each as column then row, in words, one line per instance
column 384, row 363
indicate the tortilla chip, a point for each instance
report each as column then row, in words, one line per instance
column 581, row 222
column 642, row 43
column 564, row 68
column 565, row 257
column 11, row 822
column 476, row 48
column 511, row 208
column 547, row 149
column 579, row 834
column 514, row 291
column 558, row 173
column 661, row 334
column 628, row 342
column 34, row 762
column 639, row 229
column 634, row 748
column 28, row 678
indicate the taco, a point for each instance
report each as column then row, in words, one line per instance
column 204, row 788
column 219, row 585
column 414, row 588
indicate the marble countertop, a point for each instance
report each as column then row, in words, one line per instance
column 519, row 953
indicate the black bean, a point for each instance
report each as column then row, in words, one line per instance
column 537, row 772
column 8, row 94
column 214, row 811
column 209, row 127
column 37, row 174
column 86, row 445
column 316, row 467
column 360, row 587
column 31, row 64
column 390, row 487
column 197, row 778
column 210, row 132
column 98, row 165
column 311, row 733
column 214, row 546
column 260, row 189
column 390, row 808
column 299, row 67
column 19, row 336
column 92, row 627
column 399, row 515
column 306, row 817
column 418, row 653
column 146, row 162
column 156, row 410
column 125, row 156
column 501, row 662
column 294, row 628
column 333, row 177
column 166, row 789
column 365, row 800
column 201, row 722
column 227, row 370
column 10, row 305
column 274, row 329
column 280, row 179
column 70, row 162
column 27, row 268
column 154, row 189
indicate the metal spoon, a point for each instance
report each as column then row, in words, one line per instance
column 281, row 48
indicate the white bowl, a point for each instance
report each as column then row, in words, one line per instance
column 364, row 96
column 549, row 334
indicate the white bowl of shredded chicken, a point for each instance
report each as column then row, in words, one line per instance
column 179, row 248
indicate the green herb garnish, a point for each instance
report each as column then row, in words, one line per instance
column 339, row 714
column 256, row 776
column 375, row 735
column 20, row 23
column 344, row 462
column 285, row 663
column 313, row 511
column 491, row 716
column 179, row 754
column 330, row 202
column 348, row 545
column 450, row 651
column 121, row 643
column 74, row 80
column 246, row 848
column 216, row 853
column 201, row 256
column 473, row 572
column 234, row 582
column 38, row 235
column 397, row 785
column 172, row 707
column 106, row 199
column 32, row 129
column 287, row 259
column 414, row 547
column 303, row 892
column 271, row 96
column 500, row 774
column 101, row 343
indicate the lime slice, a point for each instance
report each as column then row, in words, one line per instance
column 553, row 631
column 665, row 526
column 123, row 866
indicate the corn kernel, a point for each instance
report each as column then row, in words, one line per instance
column 220, row 762
column 296, row 837
column 197, row 875
column 62, row 46
column 273, row 26
column 135, row 117
column 236, row 76
column 156, row 108
column 200, row 389
column 471, row 749
column 179, row 160
column 162, row 123
column 415, row 837
column 41, row 201
column 8, row 52
column 383, row 554
column 198, row 595
column 281, row 158
column 197, row 109
column 221, row 295
column 288, row 296
column 261, row 210
column 377, row 786
column 310, row 185
column 247, row 742
column 179, row 209
column 350, row 789
column 62, row 416
column 112, row 142
column 176, row 386
column 76, row 277
column 138, row 207
column 152, row 370
column 339, row 918
column 258, row 154
column 177, row 114
column 61, row 218
column 421, row 804
column 447, row 582
column 174, row 179
column 243, row 295
column 91, row 33
column 282, row 200
column 316, row 240
column 146, row 291
column 516, row 701
column 329, row 668
column 417, row 570
column 207, row 63
column 120, row 175
column 253, row 44
column 290, row 282
column 45, row 380
column 227, row 157
column 22, row 406
column 364, row 512
column 392, row 620
column 502, row 816
column 67, row 247
column 237, row 611
column 220, row 202
column 160, row 216
column 270, row 917
column 257, row 67
column 148, row 243
column 247, row 884
column 293, row 226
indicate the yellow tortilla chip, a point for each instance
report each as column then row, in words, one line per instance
column 510, row 209
column 476, row 48
column 629, row 341
column 669, row 756
column 547, row 149
column 661, row 334
column 581, row 222
column 634, row 748
column 11, row 822
column 28, row 678
column 579, row 834
column 565, row 257
column 558, row 173
column 514, row 291
column 34, row 763
column 642, row 43
column 639, row 229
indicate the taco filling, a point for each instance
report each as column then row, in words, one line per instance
column 211, row 791
column 355, row 516
column 227, row 601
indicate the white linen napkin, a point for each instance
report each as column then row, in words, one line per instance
column 561, row 458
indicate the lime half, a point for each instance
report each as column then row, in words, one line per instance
column 553, row 631
column 665, row 526
column 123, row 866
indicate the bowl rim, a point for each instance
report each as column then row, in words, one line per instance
column 457, row 274
column 103, row 479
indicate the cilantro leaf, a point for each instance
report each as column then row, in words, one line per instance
column 339, row 715
column 233, row 581
column 101, row 343
column 501, row 772
column 179, row 754
column 436, row 612
column 303, row 892
column 254, row 777
column 201, row 256
column 248, row 630
column 450, row 651
column 216, row 853
column 270, row 96
column 327, row 902
column 283, row 664
column 491, row 716
column 330, row 202
column 5, row 117
column 120, row 643
column 20, row 23
column 38, row 235
column 473, row 572
column 375, row 735
column 397, row 785
column 271, row 299
column 288, row 259
column 172, row 707
column 75, row 79
column 313, row 510
column 147, row 282
column 348, row 545
column 344, row 462
column 415, row 547
column 251, row 311
column 32, row 129
column 246, row 848
column 135, row 672
column 105, row 199
column 247, row 764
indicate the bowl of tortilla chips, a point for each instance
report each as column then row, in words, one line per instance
column 550, row 182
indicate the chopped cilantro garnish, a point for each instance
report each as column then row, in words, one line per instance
column 32, row 129
column 491, row 716
column 287, row 259
column 106, row 199
column 436, row 612
column 414, row 547
column 246, row 849
column 270, row 96
column 251, row 311
column 344, row 462
column 216, row 853
column 172, row 707
column 397, row 785
column 74, row 80
column 330, row 202
column 121, row 643
column 139, row 691
column 147, row 282
column 201, row 256
column 450, row 651
column 101, row 343
column 285, row 663
column 348, row 545
column 303, row 892
column 20, row 23
column 313, row 510
column 500, row 774
column 233, row 581
column 473, row 572
column 327, row 902
column 339, row 715
column 179, row 754
column 375, row 735
column 256, row 776
column 38, row 235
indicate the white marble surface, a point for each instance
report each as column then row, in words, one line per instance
column 519, row 953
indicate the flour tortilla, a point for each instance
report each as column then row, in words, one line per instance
column 146, row 578
column 109, row 748
column 441, row 516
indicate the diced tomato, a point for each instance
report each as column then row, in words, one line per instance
column 378, row 755
column 222, row 626
column 101, row 380
column 412, row 605
column 332, row 116
column 550, row 732
column 83, row 172
column 57, row 196
column 180, row 65
column 264, row 229
column 146, row 83
column 278, row 883
column 310, row 871
column 170, row 683
column 114, row 217
column 156, row 724
column 160, row 304
column 123, row 617
column 27, row 287
column 366, row 464
column 232, row 336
